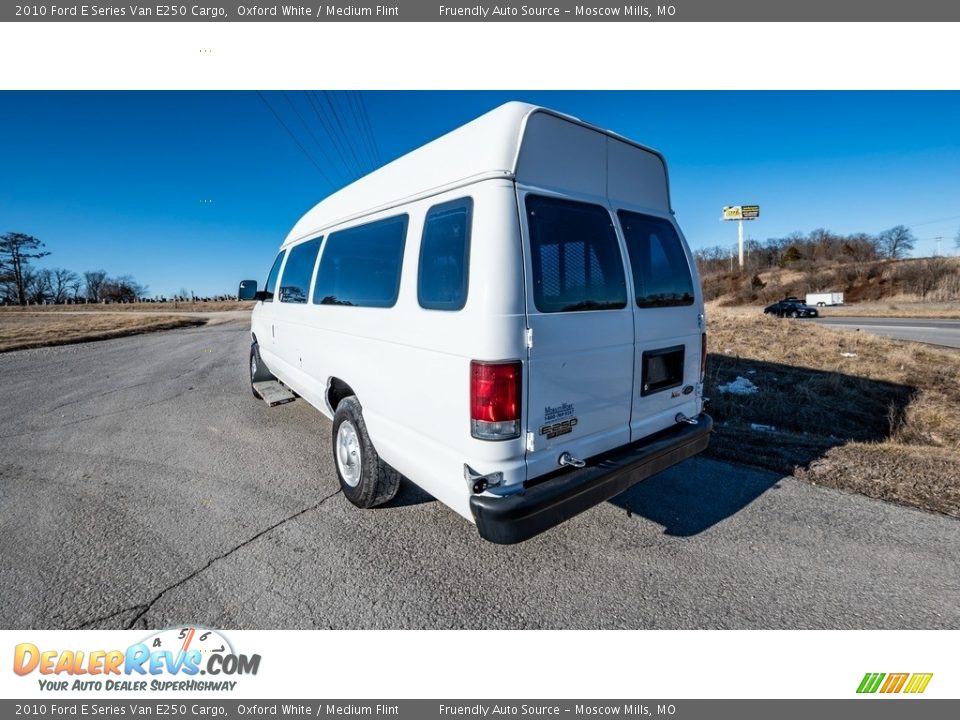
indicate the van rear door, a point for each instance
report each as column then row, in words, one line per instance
column 668, row 322
column 580, row 365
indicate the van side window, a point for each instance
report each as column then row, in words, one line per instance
column 661, row 274
column 361, row 265
column 271, row 285
column 575, row 256
column 442, row 279
column 295, row 284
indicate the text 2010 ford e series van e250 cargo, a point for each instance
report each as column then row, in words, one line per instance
column 508, row 316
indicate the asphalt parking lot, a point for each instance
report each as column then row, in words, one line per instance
column 141, row 485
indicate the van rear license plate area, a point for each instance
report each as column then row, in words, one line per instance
column 661, row 369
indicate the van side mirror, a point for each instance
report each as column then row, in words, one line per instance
column 248, row 290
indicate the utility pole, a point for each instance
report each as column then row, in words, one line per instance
column 740, row 241
column 938, row 239
column 740, row 213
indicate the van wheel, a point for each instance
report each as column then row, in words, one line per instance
column 258, row 371
column 365, row 479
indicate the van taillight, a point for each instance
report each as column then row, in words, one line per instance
column 703, row 356
column 495, row 399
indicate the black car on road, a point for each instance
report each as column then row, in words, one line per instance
column 791, row 307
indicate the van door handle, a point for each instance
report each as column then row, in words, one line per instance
column 568, row 460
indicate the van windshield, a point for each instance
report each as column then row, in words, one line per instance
column 575, row 256
column 661, row 273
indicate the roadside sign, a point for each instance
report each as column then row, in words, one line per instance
column 741, row 212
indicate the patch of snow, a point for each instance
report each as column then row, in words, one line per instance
column 740, row 386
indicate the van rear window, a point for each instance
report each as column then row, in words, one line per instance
column 360, row 266
column 661, row 273
column 575, row 256
column 445, row 256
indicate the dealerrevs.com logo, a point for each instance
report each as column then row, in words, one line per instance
column 910, row 683
column 182, row 653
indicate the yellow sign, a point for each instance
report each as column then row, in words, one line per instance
column 741, row 212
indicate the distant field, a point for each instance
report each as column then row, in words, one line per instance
column 854, row 411
column 21, row 330
column 214, row 306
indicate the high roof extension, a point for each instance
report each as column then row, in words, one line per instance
column 516, row 141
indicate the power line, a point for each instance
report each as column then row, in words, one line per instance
column 350, row 101
column 294, row 138
column 369, row 127
column 336, row 117
column 307, row 126
column 931, row 222
column 353, row 173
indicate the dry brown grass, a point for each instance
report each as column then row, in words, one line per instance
column 22, row 330
column 850, row 410
column 167, row 307
column 907, row 308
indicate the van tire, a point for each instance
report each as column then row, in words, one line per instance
column 373, row 482
column 258, row 371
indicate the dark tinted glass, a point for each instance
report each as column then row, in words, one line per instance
column 271, row 285
column 361, row 265
column 295, row 284
column 661, row 275
column 575, row 256
column 445, row 256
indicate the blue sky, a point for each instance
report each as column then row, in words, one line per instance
column 118, row 180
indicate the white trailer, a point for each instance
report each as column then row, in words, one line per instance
column 825, row 299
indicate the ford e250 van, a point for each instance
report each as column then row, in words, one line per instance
column 508, row 316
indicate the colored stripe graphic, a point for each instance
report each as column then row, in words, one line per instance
column 870, row 682
column 918, row 682
column 894, row 682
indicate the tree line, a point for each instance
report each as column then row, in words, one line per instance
column 818, row 247
column 22, row 284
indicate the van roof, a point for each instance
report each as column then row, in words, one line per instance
column 485, row 148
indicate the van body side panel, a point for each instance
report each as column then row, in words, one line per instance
column 410, row 367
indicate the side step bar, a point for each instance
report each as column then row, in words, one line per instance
column 273, row 392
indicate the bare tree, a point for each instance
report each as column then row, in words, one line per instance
column 123, row 289
column 896, row 242
column 93, row 284
column 36, row 285
column 16, row 252
column 64, row 285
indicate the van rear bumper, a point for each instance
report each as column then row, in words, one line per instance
column 541, row 505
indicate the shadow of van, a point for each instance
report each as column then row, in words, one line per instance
column 777, row 417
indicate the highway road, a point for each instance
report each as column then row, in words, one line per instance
column 924, row 330
column 141, row 485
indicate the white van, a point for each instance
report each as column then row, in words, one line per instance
column 508, row 316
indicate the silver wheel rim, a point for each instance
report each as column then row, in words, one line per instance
column 253, row 366
column 348, row 453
